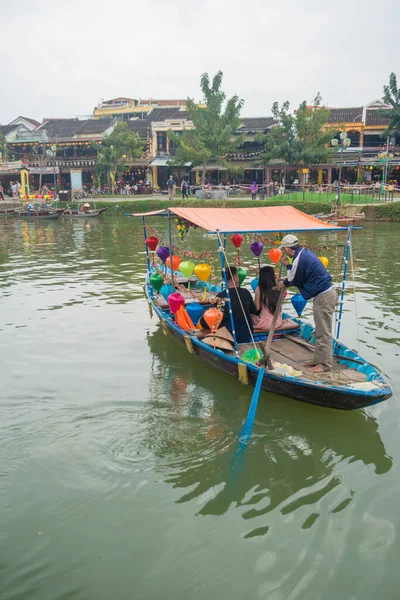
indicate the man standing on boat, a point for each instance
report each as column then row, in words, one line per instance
column 309, row 275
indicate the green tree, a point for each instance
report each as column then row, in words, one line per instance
column 116, row 148
column 215, row 124
column 300, row 137
column 391, row 96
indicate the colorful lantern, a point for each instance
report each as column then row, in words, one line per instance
column 163, row 253
column 324, row 261
column 257, row 248
column 157, row 281
column 242, row 274
column 194, row 310
column 202, row 272
column 275, row 255
column 166, row 290
column 237, row 240
column 213, row 318
column 175, row 301
column 254, row 284
column 176, row 261
column 152, row 242
column 298, row 303
column 186, row 268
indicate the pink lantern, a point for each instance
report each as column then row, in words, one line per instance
column 175, row 301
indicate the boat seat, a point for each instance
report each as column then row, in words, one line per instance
column 287, row 325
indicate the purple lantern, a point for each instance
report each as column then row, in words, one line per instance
column 163, row 253
column 257, row 248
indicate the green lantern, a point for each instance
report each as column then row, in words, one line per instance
column 157, row 281
column 242, row 274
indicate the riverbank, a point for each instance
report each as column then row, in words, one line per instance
column 387, row 211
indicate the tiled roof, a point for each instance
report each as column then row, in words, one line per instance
column 140, row 126
column 5, row 129
column 345, row 115
column 375, row 118
column 160, row 114
column 61, row 128
column 32, row 121
column 92, row 126
column 256, row 123
column 180, row 114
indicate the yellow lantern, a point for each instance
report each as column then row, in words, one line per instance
column 324, row 261
column 202, row 272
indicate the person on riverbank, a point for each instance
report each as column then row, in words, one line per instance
column 1, row 192
column 184, row 189
column 266, row 300
column 171, row 184
column 254, row 190
column 309, row 275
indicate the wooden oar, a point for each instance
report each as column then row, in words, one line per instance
column 265, row 348
column 251, row 415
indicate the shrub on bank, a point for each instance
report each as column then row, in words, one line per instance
column 126, row 207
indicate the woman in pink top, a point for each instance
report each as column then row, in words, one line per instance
column 266, row 300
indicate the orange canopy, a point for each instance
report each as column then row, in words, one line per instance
column 240, row 220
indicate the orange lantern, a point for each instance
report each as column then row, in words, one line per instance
column 176, row 261
column 275, row 255
column 213, row 318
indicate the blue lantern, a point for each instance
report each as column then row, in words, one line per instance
column 194, row 310
column 254, row 284
column 166, row 290
column 298, row 303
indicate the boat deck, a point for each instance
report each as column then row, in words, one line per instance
column 296, row 353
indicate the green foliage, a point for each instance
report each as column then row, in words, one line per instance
column 3, row 147
column 391, row 96
column 118, row 147
column 215, row 125
column 298, row 138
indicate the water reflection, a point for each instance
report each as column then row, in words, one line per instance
column 297, row 454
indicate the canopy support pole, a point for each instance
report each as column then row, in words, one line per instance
column 228, row 298
column 343, row 286
column 145, row 245
column 170, row 248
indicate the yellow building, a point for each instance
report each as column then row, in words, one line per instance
column 128, row 108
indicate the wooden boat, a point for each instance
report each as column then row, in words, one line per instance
column 80, row 214
column 41, row 214
column 8, row 212
column 340, row 219
column 347, row 219
column 352, row 383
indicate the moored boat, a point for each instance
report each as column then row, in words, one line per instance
column 41, row 214
column 351, row 384
column 8, row 212
column 80, row 214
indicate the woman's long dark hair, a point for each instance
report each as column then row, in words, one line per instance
column 268, row 296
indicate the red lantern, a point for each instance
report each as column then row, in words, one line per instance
column 213, row 318
column 36, row 195
column 275, row 255
column 152, row 242
column 237, row 240
column 176, row 261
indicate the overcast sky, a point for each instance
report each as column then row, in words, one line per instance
column 59, row 59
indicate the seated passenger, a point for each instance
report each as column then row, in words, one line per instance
column 266, row 300
column 240, row 297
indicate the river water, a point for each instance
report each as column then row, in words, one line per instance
column 118, row 476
